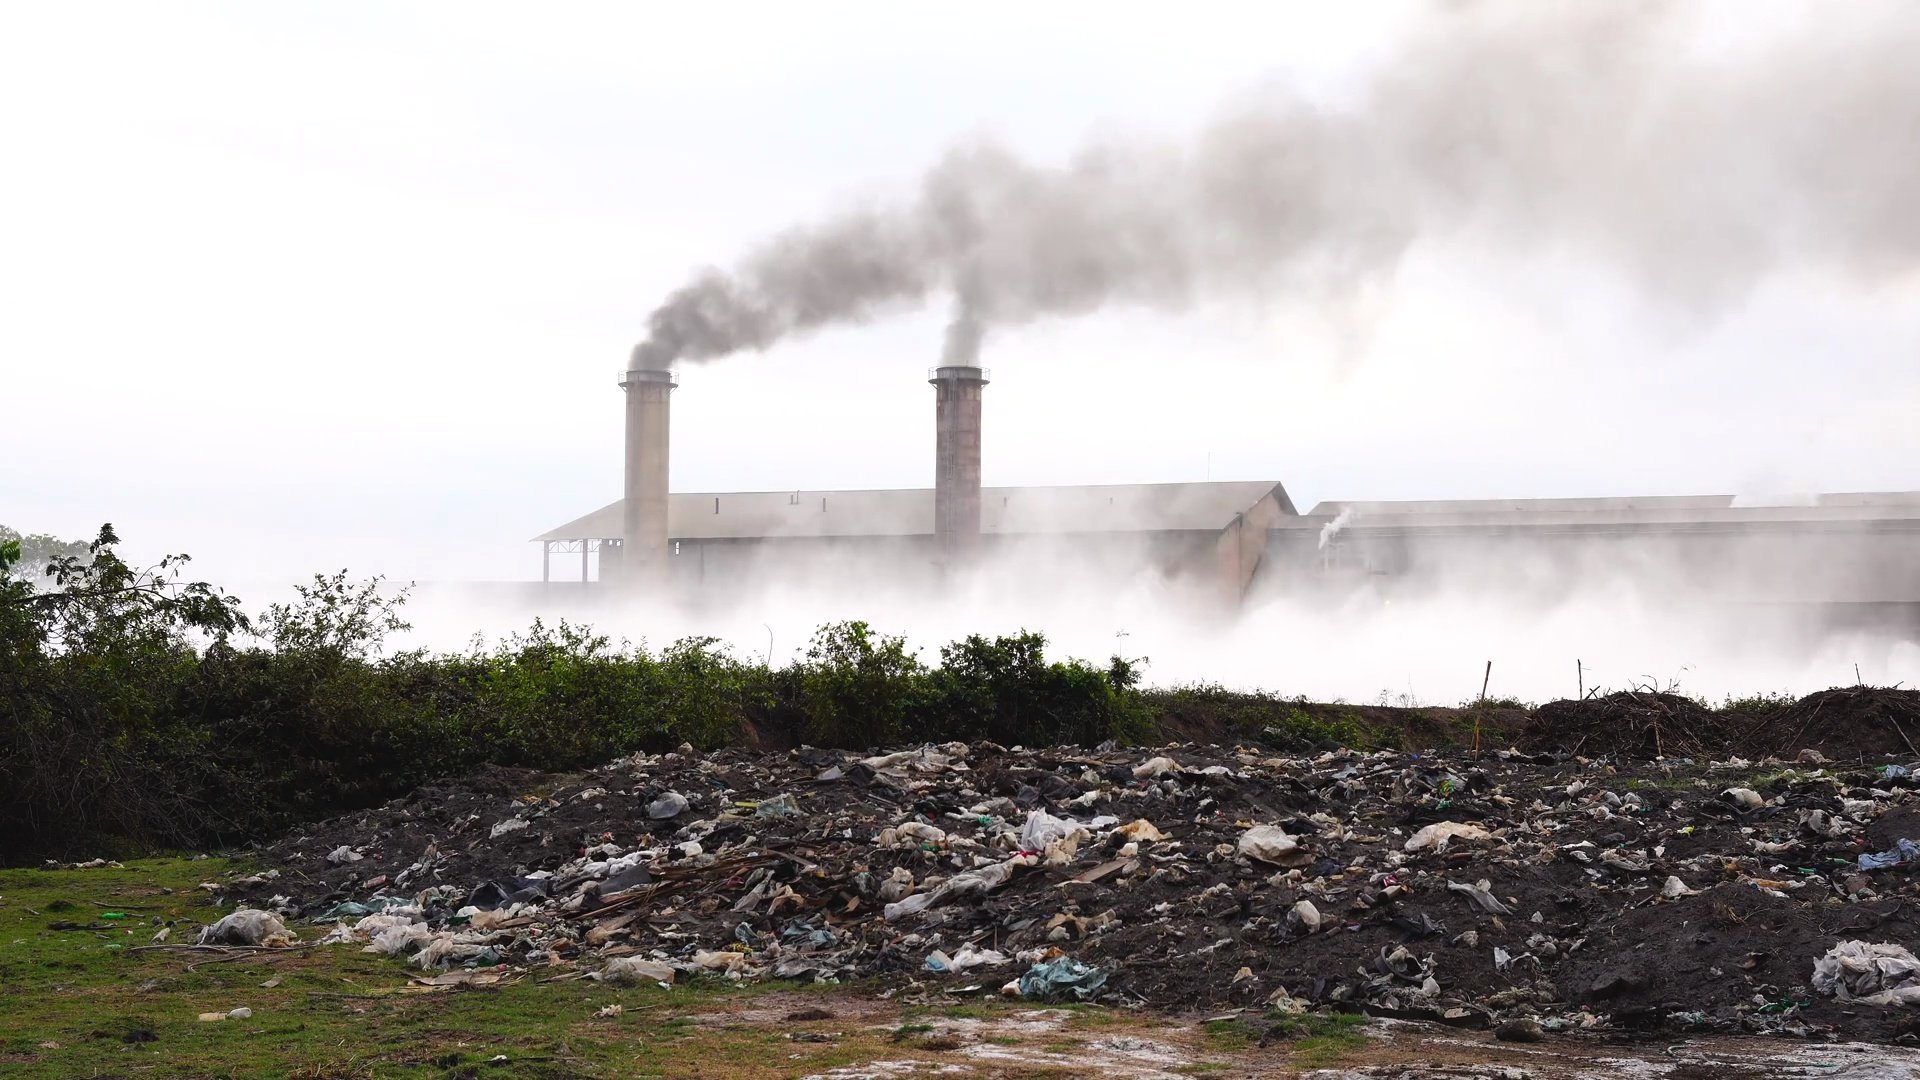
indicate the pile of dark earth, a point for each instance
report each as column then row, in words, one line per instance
column 1586, row 893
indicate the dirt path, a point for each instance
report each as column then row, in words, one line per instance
column 992, row 1040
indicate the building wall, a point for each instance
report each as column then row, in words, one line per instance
column 720, row 567
column 1854, row 562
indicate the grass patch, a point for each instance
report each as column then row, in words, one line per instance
column 1233, row 1034
column 1321, row 1039
column 1084, row 1017
column 85, row 1002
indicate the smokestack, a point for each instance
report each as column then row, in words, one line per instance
column 643, row 523
column 956, row 459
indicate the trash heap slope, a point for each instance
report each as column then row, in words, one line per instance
column 1584, row 893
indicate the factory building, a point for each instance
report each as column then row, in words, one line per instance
column 1223, row 540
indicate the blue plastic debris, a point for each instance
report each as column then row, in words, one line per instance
column 354, row 909
column 1903, row 851
column 1066, row 974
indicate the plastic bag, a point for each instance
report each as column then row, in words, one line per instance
column 248, row 926
column 780, row 806
column 1062, row 975
column 1271, row 844
column 1873, row 974
column 1440, row 833
column 1902, row 851
column 976, row 882
column 634, row 971
column 670, row 805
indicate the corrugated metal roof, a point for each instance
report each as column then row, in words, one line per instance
column 1647, row 510
column 909, row 511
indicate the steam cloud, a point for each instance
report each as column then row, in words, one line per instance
column 1694, row 162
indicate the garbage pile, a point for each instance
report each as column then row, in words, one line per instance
column 1537, row 891
column 1843, row 722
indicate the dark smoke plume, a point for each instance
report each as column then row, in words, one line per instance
column 1622, row 132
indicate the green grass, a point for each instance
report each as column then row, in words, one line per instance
column 1230, row 1034
column 85, row 1002
column 1320, row 1040
column 91, row 1002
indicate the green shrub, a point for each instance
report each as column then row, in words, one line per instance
column 858, row 688
column 1004, row 689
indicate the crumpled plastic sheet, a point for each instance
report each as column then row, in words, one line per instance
column 1872, row 974
column 780, row 806
column 1041, row 829
column 1440, row 833
column 398, row 939
column 670, row 805
column 966, row 957
column 354, row 909
column 1271, row 844
column 1902, row 851
column 976, row 882
column 1062, row 975
column 248, row 926
column 634, row 971
column 1481, row 897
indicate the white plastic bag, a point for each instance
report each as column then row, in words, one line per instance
column 248, row 926
column 1271, row 844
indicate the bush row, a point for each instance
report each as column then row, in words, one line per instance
column 140, row 710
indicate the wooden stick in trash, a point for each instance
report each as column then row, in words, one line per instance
column 1480, row 706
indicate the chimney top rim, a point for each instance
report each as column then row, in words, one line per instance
column 649, row 375
column 958, row 373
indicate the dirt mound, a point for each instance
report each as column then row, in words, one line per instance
column 1632, row 723
column 1848, row 722
column 1574, row 890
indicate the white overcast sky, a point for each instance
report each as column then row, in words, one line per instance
column 302, row 286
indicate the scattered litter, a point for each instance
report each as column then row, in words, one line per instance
column 1577, row 892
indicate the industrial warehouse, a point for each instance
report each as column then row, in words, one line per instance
column 1228, row 540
